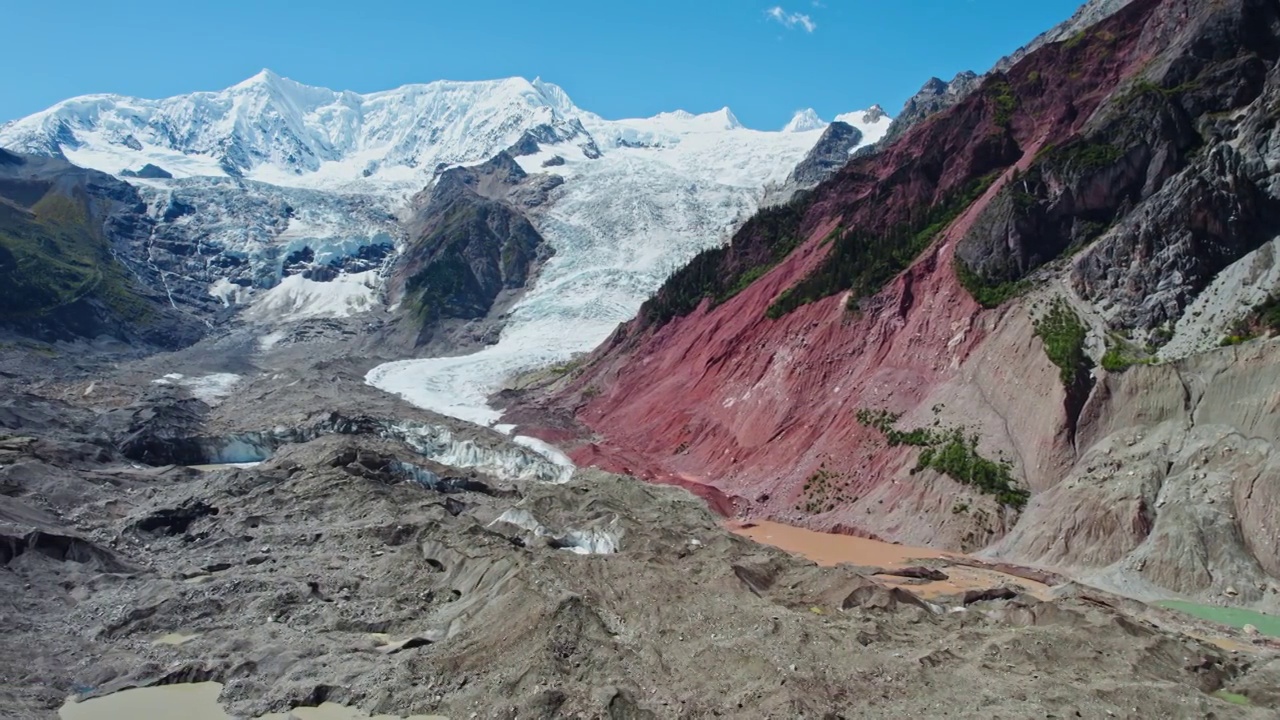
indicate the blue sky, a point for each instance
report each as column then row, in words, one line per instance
column 617, row 59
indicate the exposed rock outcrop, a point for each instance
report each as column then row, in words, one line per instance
column 933, row 97
column 829, row 155
column 937, row 95
column 471, row 249
column 149, row 172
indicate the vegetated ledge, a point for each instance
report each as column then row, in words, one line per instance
column 721, row 273
column 952, row 452
column 864, row 262
column 1063, row 335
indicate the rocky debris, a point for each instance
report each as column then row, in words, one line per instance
column 148, row 171
column 175, row 521
column 61, row 548
column 916, row 573
column 1000, row 593
column 165, row 432
column 879, row 598
column 13, row 447
column 365, row 463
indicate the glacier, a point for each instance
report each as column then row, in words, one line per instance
column 270, row 168
column 664, row 189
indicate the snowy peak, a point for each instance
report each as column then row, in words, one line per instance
column 874, row 114
column 725, row 116
column 804, row 121
column 722, row 119
column 263, row 77
column 280, row 131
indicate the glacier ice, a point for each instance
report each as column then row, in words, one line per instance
column 664, row 190
column 592, row 541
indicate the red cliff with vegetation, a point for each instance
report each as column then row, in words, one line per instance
column 939, row 344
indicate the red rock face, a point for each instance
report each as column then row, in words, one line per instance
column 745, row 409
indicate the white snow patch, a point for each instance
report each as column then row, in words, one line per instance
column 100, row 153
column 804, row 121
column 270, row 340
column 229, row 293
column 873, row 122
column 297, row 298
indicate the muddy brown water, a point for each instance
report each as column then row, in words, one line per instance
column 830, row 549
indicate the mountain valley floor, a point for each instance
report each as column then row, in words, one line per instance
column 348, row 567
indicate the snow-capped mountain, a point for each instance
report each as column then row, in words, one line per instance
column 288, row 198
column 804, row 121
column 872, row 123
column 275, row 130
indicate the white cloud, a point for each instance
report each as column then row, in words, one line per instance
column 791, row 20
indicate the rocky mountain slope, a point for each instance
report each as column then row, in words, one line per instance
column 1001, row 332
column 937, row 95
column 471, row 244
column 65, row 234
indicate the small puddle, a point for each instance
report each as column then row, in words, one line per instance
column 186, row 701
column 198, row 701
column 175, row 638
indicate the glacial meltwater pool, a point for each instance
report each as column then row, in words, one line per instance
column 198, row 701
column 1234, row 617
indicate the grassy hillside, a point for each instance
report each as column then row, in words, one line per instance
column 54, row 255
